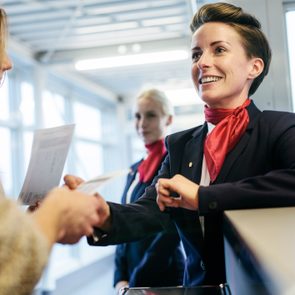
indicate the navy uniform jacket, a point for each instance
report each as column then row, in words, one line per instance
column 154, row 261
column 259, row 172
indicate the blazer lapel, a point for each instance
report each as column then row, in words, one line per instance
column 191, row 166
column 130, row 179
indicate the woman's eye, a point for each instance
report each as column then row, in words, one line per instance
column 151, row 115
column 196, row 56
column 219, row 50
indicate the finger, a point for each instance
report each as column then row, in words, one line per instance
column 94, row 218
column 161, row 205
column 70, row 181
column 163, row 202
column 88, row 231
column 163, row 191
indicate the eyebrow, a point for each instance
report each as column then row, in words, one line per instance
column 211, row 44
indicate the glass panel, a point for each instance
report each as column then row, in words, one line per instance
column 28, row 140
column 27, row 105
column 5, row 160
column 4, row 100
column 53, row 109
column 290, row 17
column 88, row 121
column 89, row 159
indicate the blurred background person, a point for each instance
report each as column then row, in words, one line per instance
column 158, row 259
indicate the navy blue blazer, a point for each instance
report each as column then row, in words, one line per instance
column 154, row 261
column 259, row 172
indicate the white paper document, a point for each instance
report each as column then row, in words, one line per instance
column 49, row 152
column 93, row 185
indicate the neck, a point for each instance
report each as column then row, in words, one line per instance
column 227, row 104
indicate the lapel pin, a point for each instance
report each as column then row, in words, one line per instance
column 190, row 164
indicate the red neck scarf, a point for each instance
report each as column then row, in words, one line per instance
column 230, row 124
column 148, row 167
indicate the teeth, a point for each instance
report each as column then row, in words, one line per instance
column 209, row 79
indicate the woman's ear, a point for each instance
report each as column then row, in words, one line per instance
column 169, row 120
column 257, row 67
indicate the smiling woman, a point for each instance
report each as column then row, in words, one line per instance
column 239, row 158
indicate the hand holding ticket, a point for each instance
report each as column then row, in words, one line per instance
column 92, row 186
column 48, row 155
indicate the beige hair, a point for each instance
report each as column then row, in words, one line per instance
column 3, row 33
column 160, row 97
column 246, row 25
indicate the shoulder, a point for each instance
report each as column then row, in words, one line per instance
column 182, row 136
column 278, row 118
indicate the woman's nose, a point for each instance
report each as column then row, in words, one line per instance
column 204, row 61
column 6, row 64
column 143, row 122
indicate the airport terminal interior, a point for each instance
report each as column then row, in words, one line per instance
column 83, row 62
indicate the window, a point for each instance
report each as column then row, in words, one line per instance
column 5, row 159
column 22, row 112
column 290, row 21
column 53, row 109
column 4, row 100
column 88, row 121
column 89, row 159
column 27, row 104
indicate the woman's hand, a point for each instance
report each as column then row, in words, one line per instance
column 72, row 181
column 186, row 189
column 66, row 216
column 120, row 285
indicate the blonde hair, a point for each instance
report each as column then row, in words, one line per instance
column 3, row 33
column 160, row 97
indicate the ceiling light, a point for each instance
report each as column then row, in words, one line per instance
column 136, row 48
column 122, row 49
column 131, row 60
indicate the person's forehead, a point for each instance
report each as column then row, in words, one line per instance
column 215, row 32
column 148, row 103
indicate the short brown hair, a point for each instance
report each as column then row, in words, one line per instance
column 245, row 24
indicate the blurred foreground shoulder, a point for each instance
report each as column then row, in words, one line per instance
column 24, row 250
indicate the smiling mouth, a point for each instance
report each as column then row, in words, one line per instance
column 209, row 79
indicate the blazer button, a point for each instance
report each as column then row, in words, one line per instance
column 213, row 205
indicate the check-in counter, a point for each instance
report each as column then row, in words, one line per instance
column 201, row 290
column 260, row 251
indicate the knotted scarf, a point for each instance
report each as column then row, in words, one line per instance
column 230, row 124
column 148, row 167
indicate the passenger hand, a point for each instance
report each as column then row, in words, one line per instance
column 186, row 189
column 66, row 216
column 72, row 181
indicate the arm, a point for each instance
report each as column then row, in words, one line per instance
column 24, row 250
column 127, row 223
column 187, row 193
column 274, row 187
column 72, row 215
column 26, row 239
